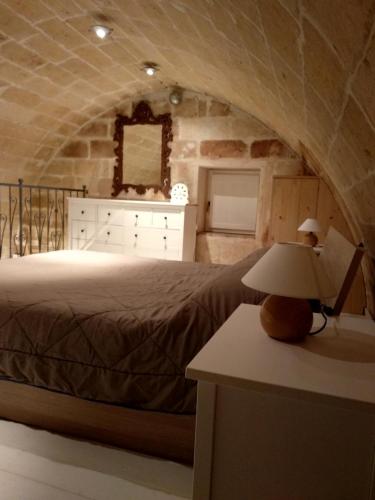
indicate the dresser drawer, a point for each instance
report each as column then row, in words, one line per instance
column 169, row 240
column 96, row 246
column 167, row 220
column 133, row 239
column 83, row 230
column 79, row 244
column 153, row 242
column 110, row 234
column 111, row 215
column 158, row 254
column 105, row 247
column 87, row 212
column 138, row 218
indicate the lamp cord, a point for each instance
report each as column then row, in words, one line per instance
column 324, row 324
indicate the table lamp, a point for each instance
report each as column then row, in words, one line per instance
column 310, row 226
column 291, row 273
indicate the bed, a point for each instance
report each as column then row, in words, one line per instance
column 95, row 345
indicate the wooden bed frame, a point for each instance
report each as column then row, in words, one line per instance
column 163, row 435
column 160, row 434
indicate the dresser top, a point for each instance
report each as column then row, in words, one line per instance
column 148, row 203
column 338, row 363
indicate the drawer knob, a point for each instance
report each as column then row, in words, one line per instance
column 82, row 230
column 165, row 218
column 136, row 236
column 82, row 212
column 164, row 237
column 108, row 232
column 136, row 216
column 109, row 213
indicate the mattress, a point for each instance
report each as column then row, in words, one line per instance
column 113, row 328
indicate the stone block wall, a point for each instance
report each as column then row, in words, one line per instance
column 207, row 134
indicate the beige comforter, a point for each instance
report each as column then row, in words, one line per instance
column 110, row 327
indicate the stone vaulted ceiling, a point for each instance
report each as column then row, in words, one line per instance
column 304, row 67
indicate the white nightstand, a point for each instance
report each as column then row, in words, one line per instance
column 279, row 421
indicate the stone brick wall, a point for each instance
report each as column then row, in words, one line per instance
column 207, row 134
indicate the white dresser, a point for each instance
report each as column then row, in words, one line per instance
column 142, row 228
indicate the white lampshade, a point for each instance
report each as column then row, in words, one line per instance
column 310, row 225
column 290, row 270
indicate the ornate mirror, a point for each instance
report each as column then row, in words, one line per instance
column 142, row 153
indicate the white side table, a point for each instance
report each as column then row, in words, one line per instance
column 279, row 421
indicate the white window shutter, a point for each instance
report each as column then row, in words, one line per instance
column 233, row 197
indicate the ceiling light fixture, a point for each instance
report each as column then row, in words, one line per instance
column 150, row 68
column 175, row 97
column 101, row 31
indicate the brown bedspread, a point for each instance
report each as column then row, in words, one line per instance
column 113, row 328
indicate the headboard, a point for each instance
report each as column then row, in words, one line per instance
column 341, row 260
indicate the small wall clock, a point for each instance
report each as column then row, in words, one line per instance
column 180, row 194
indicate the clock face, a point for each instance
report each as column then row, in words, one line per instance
column 179, row 193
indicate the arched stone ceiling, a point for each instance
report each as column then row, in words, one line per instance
column 304, row 67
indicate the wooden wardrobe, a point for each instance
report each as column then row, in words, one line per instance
column 294, row 199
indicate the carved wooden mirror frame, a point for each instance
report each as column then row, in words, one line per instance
column 143, row 115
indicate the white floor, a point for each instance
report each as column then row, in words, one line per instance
column 38, row 465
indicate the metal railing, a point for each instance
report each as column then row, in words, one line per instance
column 33, row 218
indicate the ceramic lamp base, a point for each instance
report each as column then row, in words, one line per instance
column 310, row 239
column 285, row 318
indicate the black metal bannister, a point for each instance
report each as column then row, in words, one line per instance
column 33, row 218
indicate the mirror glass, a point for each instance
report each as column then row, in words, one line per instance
column 142, row 154
column 142, row 151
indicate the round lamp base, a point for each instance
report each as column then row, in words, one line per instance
column 310, row 239
column 285, row 318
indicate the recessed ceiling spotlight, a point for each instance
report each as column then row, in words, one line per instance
column 101, row 31
column 150, row 68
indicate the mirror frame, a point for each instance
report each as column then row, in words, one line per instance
column 142, row 115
